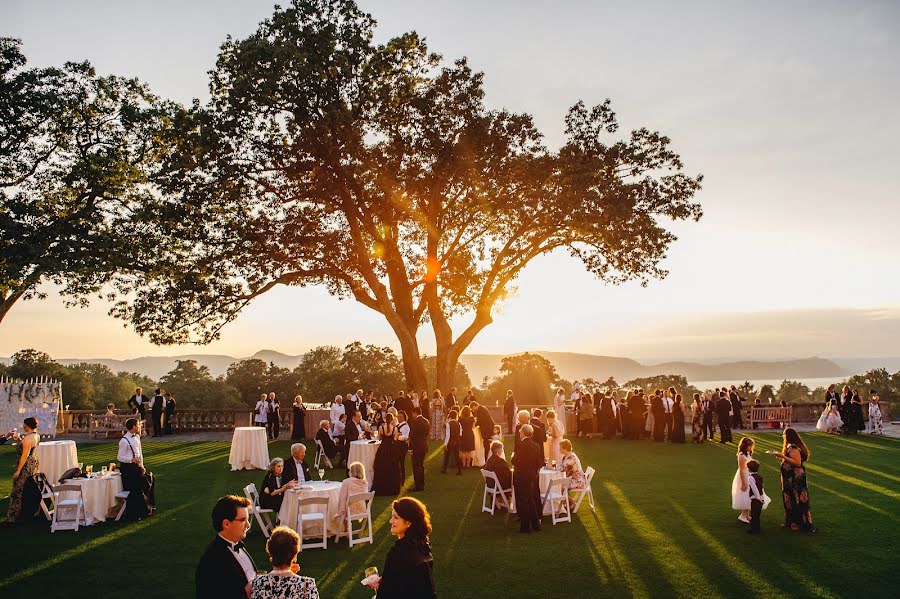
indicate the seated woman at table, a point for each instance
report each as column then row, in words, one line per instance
column 24, row 497
column 387, row 459
column 354, row 484
column 282, row 582
column 571, row 465
column 273, row 488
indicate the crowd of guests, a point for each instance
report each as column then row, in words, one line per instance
column 843, row 412
column 161, row 407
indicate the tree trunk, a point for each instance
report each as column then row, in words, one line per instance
column 9, row 300
column 445, row 367
column 413, row 367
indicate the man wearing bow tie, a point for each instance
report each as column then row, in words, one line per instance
column 226, row 569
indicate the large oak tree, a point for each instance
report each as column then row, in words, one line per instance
column 379, row 171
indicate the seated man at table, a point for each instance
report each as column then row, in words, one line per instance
column 226, row 569
column 328, row 445
column 354, row 430
column 294, row 467
column 498, row 466
column 135, row 478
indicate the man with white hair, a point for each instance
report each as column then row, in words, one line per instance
column 523, row 416
column 527, row 461
column 324, row 437
column 294, row 467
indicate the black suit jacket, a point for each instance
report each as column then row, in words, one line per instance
column 349, row 408
column 290, row 471
column 404, row 404
column 157, row 404
column 219, row 575
column 140, row 407
column 485, row 421
column 331, row 449
column 527, row 460
column 408, row 571
column 656, row 405
column 723, row 408
column 498, row 466
column 419, row 430
column 351, row 433
column 540, row 433
column 170, row 407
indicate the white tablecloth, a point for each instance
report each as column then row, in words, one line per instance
column 546, row 475
column 364, row 451
column 56, row 457
column 249, row 448
column 287, row 516
column 99, row 496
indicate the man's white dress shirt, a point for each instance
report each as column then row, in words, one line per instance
column 130, row 448
column 243, row 559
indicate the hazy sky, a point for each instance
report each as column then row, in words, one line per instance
column 789, row 109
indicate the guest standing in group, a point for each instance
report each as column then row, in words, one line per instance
column 607, row 417
column 485, row 423
column 540, row 430
column 677, row 434
column 156, row 411
column 273, row 424
column 509, row 409
column 740, row 486
column 298, row 422
column 260, row 412
column 876, row 421
column 527, row 461
column 723, row 408
column 274, row 486
column 282, row 582
column 169, row 414
column 452, row 437
column 387, row 479
column 24, row 496
column 559, row 406
column 795, row 493
column 408, row 567
column 585, row 415
column 139, row 483
column 138, row 402
column 709, row 410
column 226, row 569
column 554, row 437
column 697, row 432
column 402, row 441
column 571, row 465
column 467, row 441
column 337, row 408
column 419, row 430
column 855, row 414
column 846, row 400
column 636, row 414
column 737, row 420
column 437, row 415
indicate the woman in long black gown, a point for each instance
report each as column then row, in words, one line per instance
column 387, row 460
column 298, row 430
column 677, row 435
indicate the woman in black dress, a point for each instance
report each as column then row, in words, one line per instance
column 467, row 442
column 855, row 421
column 677, row 435
column 794, row 491
column 409, row 565
column 273, row 488
column 298, row 430
column 387, row 461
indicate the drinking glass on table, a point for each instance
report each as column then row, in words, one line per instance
column 103, row 471
column 321, row 473
column 89, row 470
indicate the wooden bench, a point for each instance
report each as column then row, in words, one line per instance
column 103, row 424
column 766, row 414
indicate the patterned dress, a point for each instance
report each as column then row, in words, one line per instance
column 876, row 421
column 29, row 469
column 272, row 586
column 696, row 424
column 437, row 420
column 795, row 493
column 571, row 465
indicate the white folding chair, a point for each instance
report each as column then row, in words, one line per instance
column 559, row 500
column 320, row 455
column 261, row 514
column 580, row 493
column 47, row 495
column 364, row 517
column 494, row 492
column 74, row 503
column 123, row 497
column 314, row 516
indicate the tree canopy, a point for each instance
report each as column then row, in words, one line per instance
column 379, row 171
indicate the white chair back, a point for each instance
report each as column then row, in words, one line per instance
column 321, row 456
column 580, row 493
column 364, row 517
column 47, row 495
column 312, row 516
column 261, row 515
column 493, row 491
column 558, row 496
column 74, row 502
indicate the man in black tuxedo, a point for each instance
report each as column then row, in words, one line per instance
column 419, row 430
column 736, row 407
column 723, row 411
column 636, row 414
column 138, row 402
column 485, row 424
column 527, row 461
column 522, row 417
column 709, row 408
column 156, row 410
column 353, row 431
column 350, row 405
column 170, row 413
column 509, row 411
column 403, row 403
column 294, row 467
column 450, row 401
column 540, row 431
column 226, row 569
column 328, row 445
column 659, row 418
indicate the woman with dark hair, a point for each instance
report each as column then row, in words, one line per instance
column 387, row 479
column 409, row 564
column 677, row 434
column 467, row 442
column 697, row 420
column 794, row 491
column 274, row 486
column 855, row 421
column 298, row 430
column 740, row 486
column 24, row 497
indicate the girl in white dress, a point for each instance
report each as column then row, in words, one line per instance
column 740, row 486
column 559, row 406
column 554, row 437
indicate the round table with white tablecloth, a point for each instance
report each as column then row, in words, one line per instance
column 249, row 448
column 364, row 451
column 56, row 457
column 546, row 475
column 287, row 515
column 99, row 495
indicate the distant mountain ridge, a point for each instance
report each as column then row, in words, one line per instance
column 571, row 366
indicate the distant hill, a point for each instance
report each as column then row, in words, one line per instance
column 570, row 366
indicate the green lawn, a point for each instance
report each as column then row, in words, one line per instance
column 663, row 527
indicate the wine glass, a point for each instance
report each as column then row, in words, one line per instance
column 321, row 473
column 103, row 471
column 90, row 470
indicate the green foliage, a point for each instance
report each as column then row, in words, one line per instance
column 321, row 374
column 793, row 392
column 461, row 378
column 371, row 367
column 887, row 385
column 663, row 381
column 766, row 393
column 531, row 378
column 194, row 387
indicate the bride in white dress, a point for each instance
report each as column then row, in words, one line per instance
column 740, row 486
column 559, row 406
